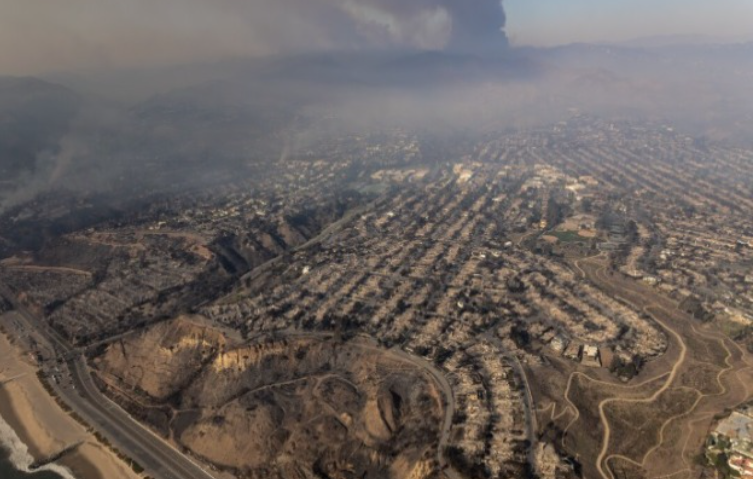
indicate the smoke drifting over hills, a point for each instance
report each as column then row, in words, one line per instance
column 476, row 23
column 93, row 34
column 161, row 94
column 459, row 25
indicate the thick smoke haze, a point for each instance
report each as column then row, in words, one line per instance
column 196, row 122
column 92, row 34
column 150, row 95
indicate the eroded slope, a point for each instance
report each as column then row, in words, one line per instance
column 279, row 406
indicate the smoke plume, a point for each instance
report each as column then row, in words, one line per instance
column 456, row 25
column 477, row 24
column 57, row 37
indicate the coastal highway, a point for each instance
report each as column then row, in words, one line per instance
column 159, row 459
column 154, row 454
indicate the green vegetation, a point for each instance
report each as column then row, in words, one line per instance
column 374, row 189
column 717, row 457
column 468, row 468
column 136, row 467
column 733, row 329
column 568, row 236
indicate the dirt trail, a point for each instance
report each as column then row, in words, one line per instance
column 52, row 269
column 679, row 330
column 652, row 398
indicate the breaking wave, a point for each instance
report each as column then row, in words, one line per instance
column 19, row 453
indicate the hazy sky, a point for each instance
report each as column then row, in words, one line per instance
column 46, row 35
column 552, row 22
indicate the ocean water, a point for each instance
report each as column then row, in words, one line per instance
column 15, row 459
column 8, row 471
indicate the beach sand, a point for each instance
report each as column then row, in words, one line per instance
column 44, row 427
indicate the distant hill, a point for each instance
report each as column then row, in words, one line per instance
column 142, row 129
column 687, row 40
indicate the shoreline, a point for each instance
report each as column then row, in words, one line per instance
column 19, row 456
column 33, row 427
column 12, row 421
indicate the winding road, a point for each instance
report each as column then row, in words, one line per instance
column 447, row 391
column 160, row 459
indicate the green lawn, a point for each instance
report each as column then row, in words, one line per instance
column 567, row 236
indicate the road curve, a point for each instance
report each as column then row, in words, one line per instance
column 155, row 455
column 447, row 390
column 160, row 459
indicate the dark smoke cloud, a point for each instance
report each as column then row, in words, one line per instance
column 477, row 24
column 471, row 25
column 79, row 34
